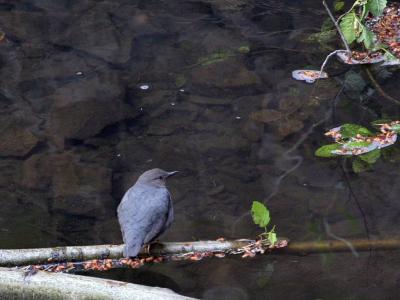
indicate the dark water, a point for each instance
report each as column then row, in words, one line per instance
column 77, row 128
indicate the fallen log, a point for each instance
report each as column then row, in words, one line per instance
column 16, row 284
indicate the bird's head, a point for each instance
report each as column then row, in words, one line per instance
column 155, row 177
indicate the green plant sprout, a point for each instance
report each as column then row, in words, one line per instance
column 352, row 23
column 261, row 217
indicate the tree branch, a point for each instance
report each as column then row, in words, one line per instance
column 339, row 246
column 379, row 88
column 20, row 257
column 337, row 28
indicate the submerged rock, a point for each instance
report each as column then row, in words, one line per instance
column 289, row 126
column 16, row 140
column 230, row 73
column 85, row 119
column 160, row 130
column 209, row 101
column 71, row 177
column 204, row 142
column 76, row 187
column 253, row 130
column 66, row 174
column 266, row 115
column 35, row 172
column 94, row 32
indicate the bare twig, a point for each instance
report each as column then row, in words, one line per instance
column 337, row 27
column 327, row 59
column 18, row 257
column 355, row 198
column 340, row 246
column 379, row 89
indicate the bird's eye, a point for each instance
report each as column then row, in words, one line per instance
column 160, row 177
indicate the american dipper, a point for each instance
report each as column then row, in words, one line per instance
column 145, row 211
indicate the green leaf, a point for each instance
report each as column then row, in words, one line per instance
column 351, row 130
column 367, row 37
column 272, row 239
column 389, row 56
column 359, row 165
column 349, row 26
column 381, row 121
column 338, row 5
column 376, row 7
column 326, row 151
column 371, row 157
column 260, row 214
column 396, row 128
column 352, row 145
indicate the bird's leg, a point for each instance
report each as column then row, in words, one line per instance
column 147, row 249
column 148, row 246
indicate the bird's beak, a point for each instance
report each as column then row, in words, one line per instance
column 172, row 173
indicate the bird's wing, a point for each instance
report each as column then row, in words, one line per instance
column 162, row 223
column 141, row 214
column 170, row 217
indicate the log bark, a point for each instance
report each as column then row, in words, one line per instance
column 20, row 257
column 14, row 284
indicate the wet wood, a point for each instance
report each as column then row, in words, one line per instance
column 16, row 284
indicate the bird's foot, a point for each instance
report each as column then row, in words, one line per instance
column 147, row 247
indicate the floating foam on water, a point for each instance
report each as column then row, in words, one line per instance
column 308, row 76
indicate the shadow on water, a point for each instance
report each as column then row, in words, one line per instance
column 94, row 93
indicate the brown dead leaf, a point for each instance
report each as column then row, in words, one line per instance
column 195, row 257
column 149, row 259
column 219, row 255
column 108, row 266
column 248, row 254
column 158, row 259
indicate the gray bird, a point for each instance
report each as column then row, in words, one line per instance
column 145, row 211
